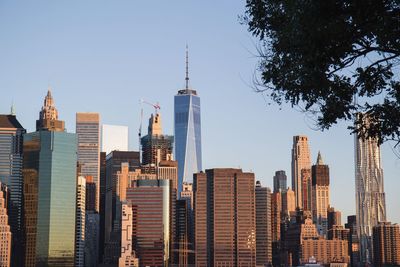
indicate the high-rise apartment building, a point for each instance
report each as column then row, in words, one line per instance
column 370, row 195
column 300, row 160
column 50, row 165
column 225, row 227
column 386, row 240
column 5, row 230
column 80, row 221
column 280, row 181
column 114, row 138
column 187, row 132
column 151, row 233
column 156, row 146
column 11, row 138
column 263, row 225
column 321, row 195
column 88, row 133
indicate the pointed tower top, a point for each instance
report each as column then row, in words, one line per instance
column 187, row 67
column 319, row 159
column 12, row 111
column 49, row 92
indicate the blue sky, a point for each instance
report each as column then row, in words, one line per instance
column 103, row 56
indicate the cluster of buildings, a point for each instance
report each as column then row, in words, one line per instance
column 83, row 199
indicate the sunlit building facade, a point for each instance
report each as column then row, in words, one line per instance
column 370, row 195
column 187, row 132
column 300, row 160
column 88, row 133
column 5, row 231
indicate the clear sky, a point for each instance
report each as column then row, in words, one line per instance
column 104, row 56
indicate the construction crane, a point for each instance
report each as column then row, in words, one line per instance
column 156, row 107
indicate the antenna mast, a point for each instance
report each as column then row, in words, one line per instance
column 187, row 67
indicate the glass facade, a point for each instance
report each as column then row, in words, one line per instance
column 151, row 227
column 11, row 133
column 53, row 156
column 187, row 135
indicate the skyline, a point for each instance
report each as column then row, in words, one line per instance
column 251, row 136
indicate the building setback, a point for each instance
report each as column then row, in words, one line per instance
column 225, row 227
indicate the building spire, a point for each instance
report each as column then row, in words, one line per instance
column 12, row 111
column 187, row 67
column 319, row 159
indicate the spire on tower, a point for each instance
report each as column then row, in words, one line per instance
column 319, row 159
column 187, row 67
column 12, row 111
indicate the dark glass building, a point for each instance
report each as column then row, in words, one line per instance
column 280, row 181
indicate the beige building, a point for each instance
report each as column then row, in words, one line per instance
column 321, row 195
column 288, row 201
column 300, row 160
column 325, row 251
column 128, row 257
column 80, row 221
column 5, row 232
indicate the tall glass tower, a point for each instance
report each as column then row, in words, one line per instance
column 370, row 195
column 187, row 132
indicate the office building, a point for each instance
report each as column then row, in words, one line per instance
column 300, row 160
column 50, row 166
column 5, row 230
column 150, row 200
column 156, row 147
column 80, row 221
column 263, row 225
column 103, row 204
column 354, row 244
column 338, row 232
column 225, row 227
column 280, row 181
column 306, row 188
column 325, row 251
column 128, row 257
column 187, row 133
column 88, row 133
column 92, row 229
column 114, row 138
column 91, row 189
column 386, row 240
column 288, row 201
column 370, row 195
column 11, row 138
column 321, row 198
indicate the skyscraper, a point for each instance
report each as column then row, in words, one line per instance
column 5, row 231
column 354, row 244
column 370, row 195
column 150, row 201
column 11, row 140
column 321, row 198
column 263, row 225
column 114, row 137
column 50, row 166
column 225, row 227
column 300, row 160
column 128, row 258
column 280, row 181
column 156, row 146
column 88, row 133
column 187, row 132
column 386, row 244
column 80, row 221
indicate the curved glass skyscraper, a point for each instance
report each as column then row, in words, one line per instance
column 187, row 133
